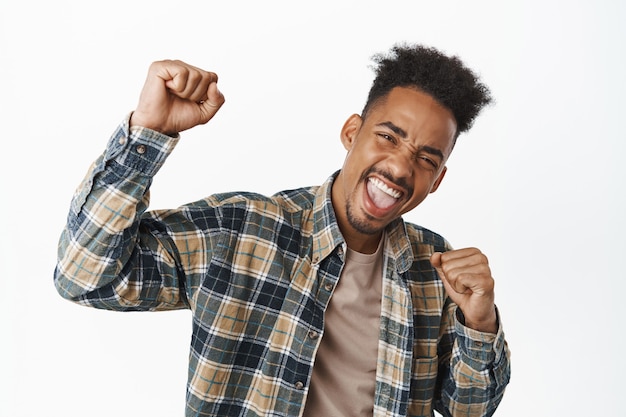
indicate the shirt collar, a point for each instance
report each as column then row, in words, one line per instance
column 327, row 236
column 326, row 233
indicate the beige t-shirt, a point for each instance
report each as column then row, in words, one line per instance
column 344, row 372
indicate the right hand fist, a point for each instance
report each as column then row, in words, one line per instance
column 175, row 97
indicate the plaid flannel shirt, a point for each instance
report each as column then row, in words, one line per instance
column 257, row 274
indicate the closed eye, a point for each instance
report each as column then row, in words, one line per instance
column 430, row 157
column 428, row 161
column 387, row 137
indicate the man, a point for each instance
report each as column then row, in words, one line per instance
column 319, row 301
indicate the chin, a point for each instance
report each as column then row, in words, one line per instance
column 364, row 224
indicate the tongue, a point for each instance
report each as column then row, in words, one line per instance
column 381, row 199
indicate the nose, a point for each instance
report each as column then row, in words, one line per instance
column 400, row 165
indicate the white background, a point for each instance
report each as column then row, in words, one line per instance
column 538, row 184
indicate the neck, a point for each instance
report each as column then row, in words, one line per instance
column 362, row 243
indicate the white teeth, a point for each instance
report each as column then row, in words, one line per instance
column 381, row 186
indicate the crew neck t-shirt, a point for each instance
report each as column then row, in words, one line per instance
column 344, row 372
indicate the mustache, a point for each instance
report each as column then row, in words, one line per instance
column 401, row 182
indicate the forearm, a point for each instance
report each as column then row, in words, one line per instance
column 101, row 249
column 475, row 372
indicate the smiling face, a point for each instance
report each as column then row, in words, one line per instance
column 396, row 157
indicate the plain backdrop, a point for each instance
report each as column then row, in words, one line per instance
column 538, row 184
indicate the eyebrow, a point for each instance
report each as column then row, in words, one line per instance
column 432, row 151
column 395, row 129
column 403, row 135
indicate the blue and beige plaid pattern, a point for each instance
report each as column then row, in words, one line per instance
column 257, row 274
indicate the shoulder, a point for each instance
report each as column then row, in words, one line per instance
column 239, row 212
column 234, row 210
column 421, row 237
column 297, row 199
column 287, row 201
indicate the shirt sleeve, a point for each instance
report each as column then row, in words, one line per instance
column 474, row 368
column 110, row 254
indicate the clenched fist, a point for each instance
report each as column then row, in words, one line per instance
column 467, row 279
column 175, row 97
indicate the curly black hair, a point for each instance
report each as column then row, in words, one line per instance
column 427, row 69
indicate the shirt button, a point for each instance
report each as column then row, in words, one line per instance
column 328, row 287
column 141, row 149
column 122, row 140
column 478, row 344
column 299, row 385
column 313, row 334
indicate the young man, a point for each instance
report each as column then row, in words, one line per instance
column 319, row 301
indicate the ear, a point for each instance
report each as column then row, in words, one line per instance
column 439, row 179
column 349, row 130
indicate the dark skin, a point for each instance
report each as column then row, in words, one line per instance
column 395, row 158
column 404, row 143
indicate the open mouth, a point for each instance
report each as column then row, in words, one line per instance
column 382, row 195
